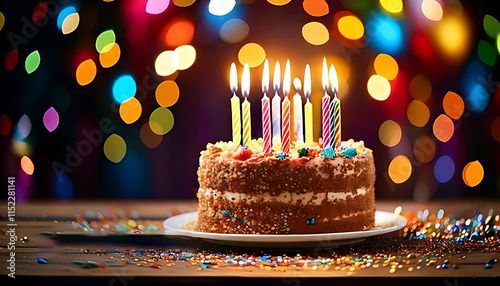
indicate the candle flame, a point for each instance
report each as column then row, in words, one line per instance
column 233, row 79
column 277, row 77
column 245, row 81
column 307, row 82
column 287, row 79
column 265, row 77
column 325, row 76
column 334, row 80
column 297, row 84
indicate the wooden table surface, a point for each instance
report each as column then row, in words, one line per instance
column 35, row 218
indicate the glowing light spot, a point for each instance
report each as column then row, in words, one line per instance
column 418, row 113
column 32, row 62
column 39, row 12
column 2, row 21
column 389, row 133
column 180, row 33
column 167, row 93
column 424, row 149
column 252, row 54
column 453, row 105
column 473, row 173
column 51, row 119
column 432, row 10
column 386, row 34
column 183, row 3
column 5, row 124
column 115, row 148
column 498, row 43
column 104, row 40
column 491, row 26
column 420, row 88
column 148, row 137
column 166, row 63
column 64, row 14
column 452, row 36
column 130, row 110
column 124, row 88
column 392, row 6
column 444, row 169
column 27, row 165
column 397, row 210
column 386, row 66
column 156, row 6
column 379, row 87
column 351, row 27
column 161, row 121
column 315, row 33
column 11, row 60
column 443, row 128
column 279, row 2
column 187, row 56
column 221, row 7
column 111, row 56
column 495, row 128
column 70, row 23
column 316, row 8
column 400, row 169
column 487, row 53
column 478, row 99
column 86, row 72
column 62, row 186
column 234, row 31
column 23, row 128
column 422, row 46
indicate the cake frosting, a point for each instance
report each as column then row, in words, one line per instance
column 310, row 190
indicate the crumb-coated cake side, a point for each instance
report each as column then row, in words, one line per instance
column 310, row 190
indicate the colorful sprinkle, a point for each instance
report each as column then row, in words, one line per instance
column 303, row 152
column 349, row 153
column 328, row 153
column 42, row 261
column 281, row 156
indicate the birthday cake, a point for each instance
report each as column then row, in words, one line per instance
column 310, row 190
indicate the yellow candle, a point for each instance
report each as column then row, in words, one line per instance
column 245, row 86
column 298, row 127
column 308, row 117
column 235, row 107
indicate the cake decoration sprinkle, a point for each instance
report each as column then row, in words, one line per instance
column 328, row 153
column 225, row 212
column 281, row 156
column 349, row 153
column 311, row 221
column 303, row 152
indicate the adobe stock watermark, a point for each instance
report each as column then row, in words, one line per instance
column 11, row 233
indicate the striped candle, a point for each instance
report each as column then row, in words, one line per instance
column 266, row 115
column 308, row 118
column 298, row 126
column 276, row 106
column 325, row 107
column 285, row 143
column 235, row 107
column 245, row 84
column 336, row 125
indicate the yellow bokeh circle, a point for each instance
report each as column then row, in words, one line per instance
column 130, row 110
column 167, row 93
column 379, row 87
column 389, row 133
column 86, row 72
column 418, row 113
column 386, row 66
column 351, row 27
column 400, row 169
column 161, row 120
column 252, row 54
column 315, row 33
column 115, row 148
column 473, row 173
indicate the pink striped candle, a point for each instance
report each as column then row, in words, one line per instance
column 266, row 115
column 325, row 107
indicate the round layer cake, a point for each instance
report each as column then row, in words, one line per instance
column 310, row 190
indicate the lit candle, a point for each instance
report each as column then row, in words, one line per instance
column 298, row 127
column 245, row 86
column 276, row 106
column 235, row 106
column 308, row 106
column 266, row 115
column 285, row 144
column 325, row 106
column 336, row 124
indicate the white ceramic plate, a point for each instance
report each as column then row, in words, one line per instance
column 385, row 222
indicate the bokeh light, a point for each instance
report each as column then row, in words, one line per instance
column 379, row 87
column 23, row 128
column 166, row 63
column 495, row 128
column 420, row 88
column 432, row 10
column 183, row 3
column 62, row 186
column 473, row 173
column 104, row 40
column 124, row 88
column 2, row 21
column 11, row 60
column 351, row 27
column 167, row 93
column 315, row 33
column 400, row 169
column 130, row 110
column 5, row 124
column 487, row 53
column 444, row 169
column 156, row 6
column 478, row 98
column 279, row 2
column 38, row 13
column 180, row 33
column 385, row 34
column 392, row 6
column 234, row 31
column 148, row 137
column 491, row 26
column 418, row 113
column 252, row 54
column 453, row 105
column 221, row 7
column 86, row 72
column 70, row 23
column 316, row 8
column 27, row 165
column 443, row 128
column 389, row 133
column 64, row 14
column 422, row 46
column 51, row 119
column 111, row 56
column 424, row 149
column 187, row 56
column 32, row 61
column 386, row 66
column 451, row 36
column 115, row 148
column 161, row 120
